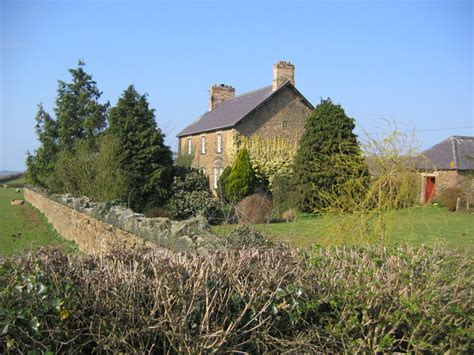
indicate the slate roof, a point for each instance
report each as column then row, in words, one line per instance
column 454, row 153
column 230, row 112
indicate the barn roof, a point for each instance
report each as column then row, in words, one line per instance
column 453, row 153
column 230, row 112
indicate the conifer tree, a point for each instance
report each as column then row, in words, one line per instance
column 328, row 133
column 241, row 181
column 79, row 114
column 41, row 165
column 147, row 161
column 221, row 183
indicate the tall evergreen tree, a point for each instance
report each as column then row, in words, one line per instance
column 147, row 161
column 241, row 181
column 41, row 165
column 328, row 136
column 78, row 112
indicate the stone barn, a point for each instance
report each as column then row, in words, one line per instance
column 449, row 163
column 277, row 110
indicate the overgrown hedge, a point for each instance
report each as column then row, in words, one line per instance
column 255, row 300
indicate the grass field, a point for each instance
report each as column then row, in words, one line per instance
column 15, row 182
column 429, row 225
column 24, row 228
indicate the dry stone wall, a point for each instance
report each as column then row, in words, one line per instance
column 100, row 227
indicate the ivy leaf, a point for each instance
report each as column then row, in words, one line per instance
column 34, row 325
column 4, row 328
column 57, row 302
column 42, row 289
column 280, row 293
column 64, row 314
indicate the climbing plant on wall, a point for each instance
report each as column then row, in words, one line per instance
column 270, row 157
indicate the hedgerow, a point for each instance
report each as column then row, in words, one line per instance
column 252, row 299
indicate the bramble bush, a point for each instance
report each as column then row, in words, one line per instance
column 265, row 299
column 256, row 208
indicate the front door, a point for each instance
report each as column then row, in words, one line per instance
column 429, row 188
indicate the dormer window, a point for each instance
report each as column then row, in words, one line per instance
column 190, row 146
column 203, row 144
column 219, row 143
column 285, row 124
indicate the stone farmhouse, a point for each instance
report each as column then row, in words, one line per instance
column 277, row 110
column 449, row 163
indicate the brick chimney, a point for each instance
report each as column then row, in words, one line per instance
column 283, row 72
column 219, row 93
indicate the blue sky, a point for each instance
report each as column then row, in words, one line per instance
column 408, row 62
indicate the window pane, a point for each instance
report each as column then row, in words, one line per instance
column 219, row 143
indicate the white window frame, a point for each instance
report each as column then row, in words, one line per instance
column 216, row 178
column 219, row 142
column 190, row 146
column 203, row 144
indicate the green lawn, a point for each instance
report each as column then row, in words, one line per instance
column 24, row 228
column 429, row 225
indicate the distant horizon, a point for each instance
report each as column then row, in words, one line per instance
column 406, row 63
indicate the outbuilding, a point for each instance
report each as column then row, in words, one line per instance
column 449, row 163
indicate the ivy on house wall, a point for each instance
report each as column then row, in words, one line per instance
column 270, row 157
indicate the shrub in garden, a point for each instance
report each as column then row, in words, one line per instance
column 449, row 197
column 284, row 193
column 360, row 209
column 191, row 195
column 221, row 183
column 255, row 300
column 158, row 212
column 184, row 160
column 246, row 236
column 329, row 133
column 241, row 181
column 92, row 171
column 256, row 208
column 289, row 215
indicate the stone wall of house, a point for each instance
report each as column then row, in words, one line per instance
column 449, row 178
column 283, row 116
column 99, row 227
column 211, row 158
